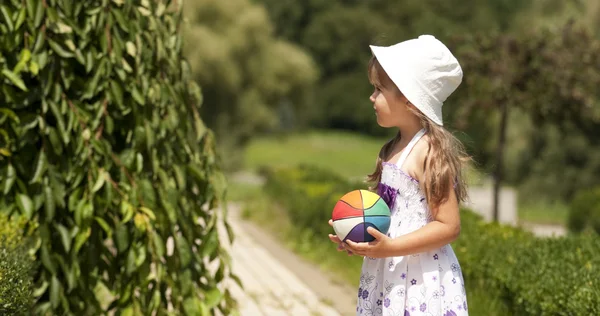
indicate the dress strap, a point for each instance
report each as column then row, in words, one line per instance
column 409, row 147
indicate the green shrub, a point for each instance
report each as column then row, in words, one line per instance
column 532, row 276
column 584, row 212
column 17, row 264
column 535, row 276
column 101, row 143
column 309, row 194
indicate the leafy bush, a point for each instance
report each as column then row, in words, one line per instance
column 17, row 265
column 309, row 194
column 101, row 143
column 533, row 276
column 584, row 212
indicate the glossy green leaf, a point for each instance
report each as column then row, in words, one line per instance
column 7, row 17
column 99, row 181
column 183, row 248
column 148, row 212
column 30, row 4
column 20, row 18
column 193, row 306
column 40, row 167
column 39, row 14
column 11, row 176
column 57, row 145
column 104, row 226
column 60, row 121
column 127, row 211
column 24, row 58
column 137, row 96
column 117, row 92
column 212, row 298
column 46, row 260
column 55, row 289
column 41, row 289
column 25, row 205
column 58, row 49
column 75, row 199
column 159, row 245
column 211, row 243
column 49, row 203
column 65, row 236
column 81, row 238
column 121, row 238
column 121, row 20
column 15, row 79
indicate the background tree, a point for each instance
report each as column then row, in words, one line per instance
column 549, row 77
column 337, row 34
column 249, row 76
column 103, row 147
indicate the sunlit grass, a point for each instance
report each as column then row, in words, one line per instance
column 348, row 154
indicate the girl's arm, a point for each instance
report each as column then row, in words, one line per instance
column 444, row 229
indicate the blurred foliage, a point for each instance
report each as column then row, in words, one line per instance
column 523, row 274
column 538, row 57
column 17, row 265
column 103, row 146
column 308, row 194
column 549, row 14
column 584, row 213
column 551, row 79
column 533, row 276
column 337, row 34
column 252, row 81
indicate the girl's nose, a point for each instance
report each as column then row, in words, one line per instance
column 372, row 97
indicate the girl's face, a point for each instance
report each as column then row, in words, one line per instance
column 390, row 105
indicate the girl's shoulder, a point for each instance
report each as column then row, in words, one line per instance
column 414, row 163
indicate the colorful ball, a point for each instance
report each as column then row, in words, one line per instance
column 356, row 211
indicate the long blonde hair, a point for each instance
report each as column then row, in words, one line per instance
column 446, row 156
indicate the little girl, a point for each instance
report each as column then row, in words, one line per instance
column 413, row 270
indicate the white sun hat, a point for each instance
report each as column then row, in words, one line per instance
column 424, row 70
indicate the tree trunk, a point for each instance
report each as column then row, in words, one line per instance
column 500, row 158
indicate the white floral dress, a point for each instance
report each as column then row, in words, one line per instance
column 428, row 283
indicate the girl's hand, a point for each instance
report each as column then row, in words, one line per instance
column 336, row 239
column 379, row 248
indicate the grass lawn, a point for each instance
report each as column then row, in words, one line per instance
column 348, row 154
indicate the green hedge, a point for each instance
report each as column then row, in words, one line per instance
column 535, row 276
column 532, row 276
column 17, row 264
column 308, row 193
column 584, row 212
